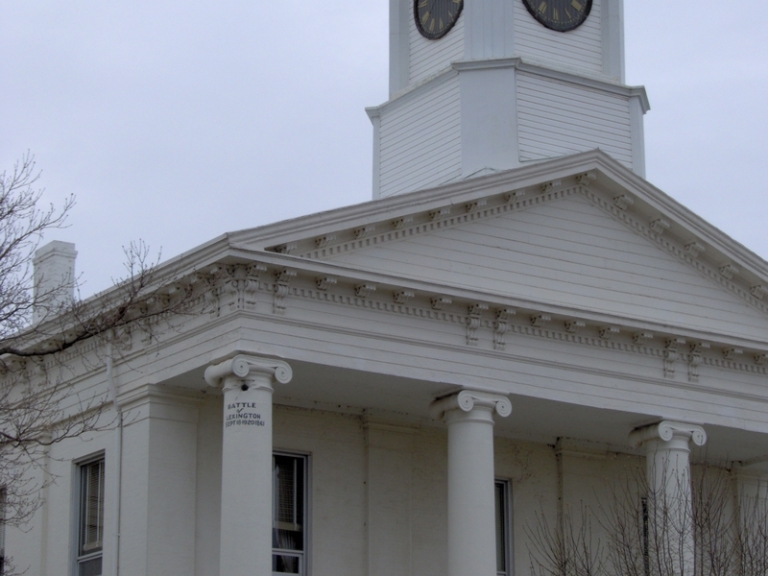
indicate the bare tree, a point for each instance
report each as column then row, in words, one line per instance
column 22, row 224
column 716, row 532
column 36, row 397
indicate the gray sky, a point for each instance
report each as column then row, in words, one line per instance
column 173, row 122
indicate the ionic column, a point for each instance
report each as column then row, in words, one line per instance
column 670, row 508
column 471, row 515
column 246, row 464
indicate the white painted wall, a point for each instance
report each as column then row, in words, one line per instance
column 428, row 57
column 47, row 546
column 208, row 495
column 556, row 118
column 420, row 138
column 579, row 50
column 377, row 491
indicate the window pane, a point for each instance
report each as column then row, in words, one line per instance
column 288, row 499
column 90, row 567
column 501, row 527
column 282, row 564
column 3, row 495
column 91, row 507
column 288, row 516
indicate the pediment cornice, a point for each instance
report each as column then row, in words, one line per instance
column 645, row 203
column 651, row 214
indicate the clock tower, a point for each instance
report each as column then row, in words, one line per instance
column 478, row 86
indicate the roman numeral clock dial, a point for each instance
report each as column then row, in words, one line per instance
column 434, row 18
column 559, row 15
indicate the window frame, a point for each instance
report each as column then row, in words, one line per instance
column 506, row 518
column 78, row 486
column 305, row 555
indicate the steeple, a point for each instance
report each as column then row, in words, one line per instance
column 502, row 87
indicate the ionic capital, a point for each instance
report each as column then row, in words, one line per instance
column 666, row 431
column 248, row 371
column 467, row 400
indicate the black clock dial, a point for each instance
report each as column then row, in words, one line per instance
column 434, row 18
column 560, row 15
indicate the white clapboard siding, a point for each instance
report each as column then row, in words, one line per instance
column 568, row 252
column 580, row 48
column 430, row 56
column 557, row 118
column 420, row 140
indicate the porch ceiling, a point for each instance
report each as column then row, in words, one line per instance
column 540, row 420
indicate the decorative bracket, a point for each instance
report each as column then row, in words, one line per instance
column 693, row 249
column 437, row 215
column 364, row 290
column 241, row 287
column 513, row 196
column 501, row 327
column 475, row 206
column 473, row 322
column 400, row 223
column 671, row 354
column 608, row 332
column 573, row 326
column 759, row 291
column 538, row 320
column 325, row 282
column 282, row 287
column 323, row 241
column 731, row 353
column 641, row 337
column 728, row 270
column 586, row 178
column 364, row 231
column 549, row 186
column 623, row 202
column 694, row 359
column 659, row 225
column 402, row 296
column 439, row 302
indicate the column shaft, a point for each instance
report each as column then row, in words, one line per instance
column 246, row 483
column 471, row 502
column 471, row 518
column 246, row 466
column 670, row 508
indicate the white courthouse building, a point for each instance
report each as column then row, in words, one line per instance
column 402, row 387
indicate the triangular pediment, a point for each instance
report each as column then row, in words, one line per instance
column 581, row 234
column 567, row 251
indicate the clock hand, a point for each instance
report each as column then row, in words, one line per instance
column 432, row 6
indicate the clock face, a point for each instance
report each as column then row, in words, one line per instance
column 560, row 15
column 434, row 18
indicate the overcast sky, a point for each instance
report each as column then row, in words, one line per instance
column 173, row 122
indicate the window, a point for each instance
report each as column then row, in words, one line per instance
column 90, row 522
column 3, row 496
column 646, row 557
column 503, row 533
column 289, row 518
